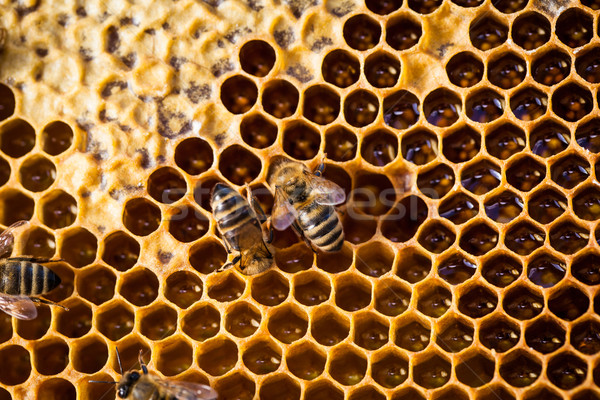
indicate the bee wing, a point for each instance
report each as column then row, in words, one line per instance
column 20, row 307
column 283, row 214
column 327, row 192
column 7, row 237
column 187, row 390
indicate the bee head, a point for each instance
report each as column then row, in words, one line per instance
column 127, row 381
column 256, row 261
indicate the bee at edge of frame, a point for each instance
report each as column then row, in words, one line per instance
column 240, row 224
column 134, row 385
column 305, row 200
column 22, row 278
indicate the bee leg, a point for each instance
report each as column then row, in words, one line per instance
column 262, row 217
column 303, row 237
column 142, row 363
column 48, row 302
column 230, row 264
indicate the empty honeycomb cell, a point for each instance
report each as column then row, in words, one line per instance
column 568, row 303
column 75, row 322
column 552, row 67
column 257, row 58
column 329, row 327
column 455, row 335
column 166, row 186
column 545, row 336
column 361, row 32
column 360, row 229
column 413, row 265
column 525, row 173
column 382, row 70
column 459, row 208
column 96, row 390
column 366, row 393
column 529, row 104
column 375, row 259
column 296, row 257
column 478, row 239
column 37, row 173
column 477, row 370
column 391, row 297
column 218, row 356
column 115, row 321
column 373, row 194
column 280, row 98
column 484, row 106
column 549, row 138
column 408, row 393
column 20, row 365
column 433, row 372
column 174, row 357
column 520, row 368
column 501, row 270
column 504, row 207
column 288, row 323
column 546, row 205
column 468, row 3
column 311, row 288
column 464, row 69
column 587, row 136
column 188, row 224
column 194, row 155
column 477, row 302
column 507, row 71
column 139, row 287
column 262, row 357
column 569, row 237
column 90, row 354
column 424, row 6
column 370, row 331
column 321, row 104
column 570, row 171
column 585, row 337
column 450, row 392
column 236, row 386
column 17, row 138
column 35, row 328
column 586, row 269
column 257, row 131
column 206, row 256
column 183, row 288
column 574, row 27
column 270, row 289
column 531, row 30
column 461, row 145
column 305, row 361
column 39, row 243
column 567, row 371
column 487, row 32
column 59, row 209
column 379, row 148
column 572, row 102
column 499, row 334
column 347, row 365
column 50, row 356
column 404, row 221
column 340, row 144
column 129, row 352
column 383, row 7
column 238, row 94
column 504, row 141
column 334, row 263
column 390, row 368
column 434, row 301
column 56, row 137
column 279, row 387
column 158, row 322
column 401, row 109
column 361, row 108
column 202, row 322
column 7, row 102
column 340, row 68
column 508, row 7
column 242, row 319
column 141, row 217
column 19, row 204
column 79, row 247
column 436, row 181
column 121, row 251
column 456, row 269
column 522, row 303
column 352, row 293
column 56, row 388
column 301, row 141
column 541, row 393
column 323, row 390
column 441, row 108
column 587, row 65
column 225, row 287
column 545, row 270
column 419, row 146
column 436, row 237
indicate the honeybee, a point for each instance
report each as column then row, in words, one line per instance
column 23, row 277
column 241, row 226
column 305, row 200
column 134, row 385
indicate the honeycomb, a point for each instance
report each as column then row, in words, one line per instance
column 465, row 133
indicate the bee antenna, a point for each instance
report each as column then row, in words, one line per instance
column 119, row 360
column 142, row 365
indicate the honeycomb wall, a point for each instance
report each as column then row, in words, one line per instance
column 472, row 275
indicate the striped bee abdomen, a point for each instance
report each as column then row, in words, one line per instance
column 231, row 212
column 26, row 278
column 321, row 225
